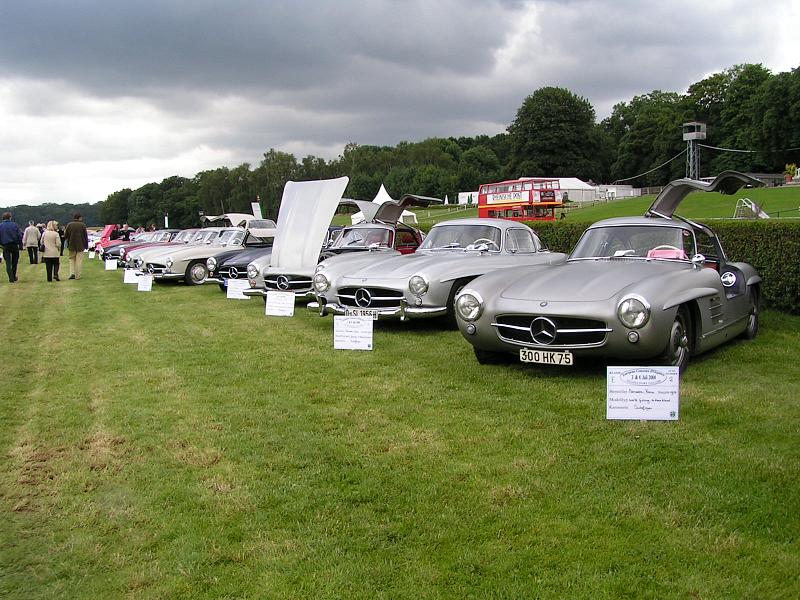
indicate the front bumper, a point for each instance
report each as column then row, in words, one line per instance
column 403, row 312
column 299, row 295
column 158, row 276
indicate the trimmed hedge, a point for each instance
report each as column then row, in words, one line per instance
column 771, row 246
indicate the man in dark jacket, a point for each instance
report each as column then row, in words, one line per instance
column 11, row 241
column 77, row 240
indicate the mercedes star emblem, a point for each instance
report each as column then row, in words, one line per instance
column 282, row 282
column 543, row 331
column 233, row 272
column 363, row 297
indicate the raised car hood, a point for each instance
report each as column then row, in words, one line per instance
column 390, row 212
column 365, row 207
column 727, row 182
column 586, row 280
column 307, row 208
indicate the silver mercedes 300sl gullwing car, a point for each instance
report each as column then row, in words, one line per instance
column 654, row 288
column 424, row 284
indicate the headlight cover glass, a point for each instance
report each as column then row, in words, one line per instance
column 321, row 282
column 418, row 285
column 633, row 312
column 469, row 305
column 169, row 262
column 252, row 271
column 211, row 263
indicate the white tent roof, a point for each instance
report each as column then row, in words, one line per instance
column 381, row 197
column 573, row 183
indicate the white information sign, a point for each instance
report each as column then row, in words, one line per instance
column 130, row 276
column 144, row 283
column 643, row 393
column 235, row 287
column 111, row 264
column 352, row 333
column 91, row 254
column 279, row 304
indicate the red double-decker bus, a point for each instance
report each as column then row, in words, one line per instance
column 523, row 199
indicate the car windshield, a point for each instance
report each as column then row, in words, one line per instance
column 184, row 236
column 203, row 237
column 261, row 224
column 463, row 237
column 363, row 237
column 635, row 241
column 230, row 238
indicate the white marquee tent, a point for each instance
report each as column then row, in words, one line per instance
column 381, row 197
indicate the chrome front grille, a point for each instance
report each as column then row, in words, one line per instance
column 232, row 272
column 541, row 330
column 154, row 268
column 288, row 283
column 370, row 297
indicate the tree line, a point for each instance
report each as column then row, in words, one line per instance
column 554, row 133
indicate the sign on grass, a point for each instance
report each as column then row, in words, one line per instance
column 130, row 276
column 642, row 393
column 279, row 304
column 144, row 283
column 111, row 264
column 91, row 254
column 352, row 333
column 234, row 289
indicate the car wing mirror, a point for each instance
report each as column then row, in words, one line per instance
column 698, row 260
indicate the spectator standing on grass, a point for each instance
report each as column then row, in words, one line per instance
column 11, row 241
column 52, row 247
column 30, row 239
column 61, row 236
column 77, row 239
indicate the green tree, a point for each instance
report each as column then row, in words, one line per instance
column 554, row 129
column 115, row 207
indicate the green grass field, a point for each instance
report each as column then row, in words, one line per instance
column 781, row 202
column 175, row 444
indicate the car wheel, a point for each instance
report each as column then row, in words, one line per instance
column 196, row 273
column 752, row 322
column 678, row 349
column 487, row 357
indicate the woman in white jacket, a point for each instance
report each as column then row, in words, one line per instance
column 52, row 247
column 30, row 240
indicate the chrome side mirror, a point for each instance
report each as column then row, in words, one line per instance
column 698, row 260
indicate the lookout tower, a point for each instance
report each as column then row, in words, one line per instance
column 692, row 132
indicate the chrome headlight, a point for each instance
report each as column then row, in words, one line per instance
column 321, row 282
column 138, row 262
column 252, row 271
column 211, row 263
column 469, row 305
column 169, row 262
column 633, row 311
column 418, row 285
column 122, row 254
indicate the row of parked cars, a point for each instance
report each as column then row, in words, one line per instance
column 657, row 288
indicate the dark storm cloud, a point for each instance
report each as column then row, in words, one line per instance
column 185, row 84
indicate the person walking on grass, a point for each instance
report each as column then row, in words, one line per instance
column 11, row 241
column 30, row 239
column 77, row 239
column 52, row 247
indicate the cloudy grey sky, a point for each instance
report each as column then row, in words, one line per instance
column 99, row 95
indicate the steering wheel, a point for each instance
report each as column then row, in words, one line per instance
column 486, row 240
column 667, row 247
